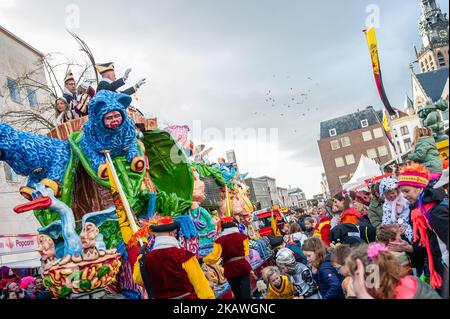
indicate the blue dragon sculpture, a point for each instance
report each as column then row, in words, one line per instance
column 43, row 159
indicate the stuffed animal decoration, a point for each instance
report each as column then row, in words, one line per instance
column 110, row 129
column 41, row 158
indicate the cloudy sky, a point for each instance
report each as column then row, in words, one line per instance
column 217, row 66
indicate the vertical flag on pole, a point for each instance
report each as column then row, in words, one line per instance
column 387, row 130
column 126, row 226
column 373, row 49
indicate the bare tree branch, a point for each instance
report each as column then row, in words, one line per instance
column 41, row 79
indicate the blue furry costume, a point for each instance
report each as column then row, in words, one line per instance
column 97, row 137
column 33, row 155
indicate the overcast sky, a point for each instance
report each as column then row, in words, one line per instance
column 216, row 61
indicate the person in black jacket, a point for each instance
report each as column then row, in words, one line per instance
column 70, row 88
column 111, row 83
column 429, row 215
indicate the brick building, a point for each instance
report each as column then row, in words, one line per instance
column 344, row 139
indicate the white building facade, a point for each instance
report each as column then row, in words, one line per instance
column 16, row 59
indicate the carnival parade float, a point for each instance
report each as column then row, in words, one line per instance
column 97, row 183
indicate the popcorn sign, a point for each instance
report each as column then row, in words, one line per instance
column 10, row 244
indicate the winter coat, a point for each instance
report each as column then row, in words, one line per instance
column 438, row 219
column 329, row 280
column 322, row 230
column 401, row 218
column 375, row 211
column 427, row 154
column 351, row 215
column 413, row 288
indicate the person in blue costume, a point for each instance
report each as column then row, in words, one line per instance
column 109, row 128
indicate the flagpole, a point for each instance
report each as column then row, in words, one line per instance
column 227, row 200
column 124, row 199
column 396, row 154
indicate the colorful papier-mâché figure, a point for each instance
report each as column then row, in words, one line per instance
column 41, row 158
column 110, row 129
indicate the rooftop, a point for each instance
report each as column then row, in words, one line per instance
column 267, row 177
column 350, row 122
column 22, row 42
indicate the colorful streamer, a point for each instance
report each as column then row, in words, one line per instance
column 373, row 49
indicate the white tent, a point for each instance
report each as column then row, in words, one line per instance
column 367, row 168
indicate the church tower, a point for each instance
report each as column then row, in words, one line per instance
column 433, row 27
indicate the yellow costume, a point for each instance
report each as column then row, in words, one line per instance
column 286, row 290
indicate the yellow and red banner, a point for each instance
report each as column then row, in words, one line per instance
column 124, row 223
column 373, row 49
column 387, row 129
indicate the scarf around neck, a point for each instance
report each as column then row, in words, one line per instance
column 228, row 231
column 166, row 242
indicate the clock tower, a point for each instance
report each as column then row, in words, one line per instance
column 433, row 27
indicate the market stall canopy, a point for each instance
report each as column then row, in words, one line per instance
column 366, row 169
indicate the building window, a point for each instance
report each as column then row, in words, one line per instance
column 367, row 136
column 441, row 59
column 335, row 145
column 332, row 132
column 378, row 132
column 372, row 153
column 345, row 141
column 10, row 175
column 339, row 161
column 343, row 179
column 350, row 159
column 364, row 123
column 31, row 97
column 383, row 151
column 408, row 144
column 14, row 91
column 404, row 130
